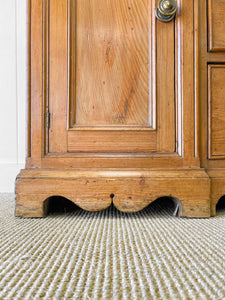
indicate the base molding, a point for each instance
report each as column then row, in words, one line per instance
column 132, row 189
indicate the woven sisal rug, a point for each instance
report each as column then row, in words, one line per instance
column 111, row 255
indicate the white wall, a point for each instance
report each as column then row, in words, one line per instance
column 13, row 90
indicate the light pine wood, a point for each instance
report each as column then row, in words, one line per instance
column 112, row 141
column 202, row 18
column 216, row 21
column 136, row 106
column 206, row 87
column 217, row 187
column 165, row 78
column 187, row 89
column 36, row 76
column 132, row 189
column 115, row 91
column 57, row 76
column 216, row 92
column 211, row 33
column 101, row 100
column 104, row 160
column 82, row 62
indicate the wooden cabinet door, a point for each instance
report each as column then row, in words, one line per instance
column 111, row 77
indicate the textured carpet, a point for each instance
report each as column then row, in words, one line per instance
column 111, row 255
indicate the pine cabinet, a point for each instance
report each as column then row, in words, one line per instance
column 125, row 104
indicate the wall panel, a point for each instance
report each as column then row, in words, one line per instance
column 13, row 91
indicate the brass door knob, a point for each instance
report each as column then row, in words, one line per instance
column 166, row 10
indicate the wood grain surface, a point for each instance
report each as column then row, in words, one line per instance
column 129, row 190
column 216, row 21
column 112, row 62
column 216, row 92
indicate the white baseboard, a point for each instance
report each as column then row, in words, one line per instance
column 8, row 173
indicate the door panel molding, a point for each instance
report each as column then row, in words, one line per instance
column 107, row 54
column 216, row 25
column 216, row 111
column 160, row 47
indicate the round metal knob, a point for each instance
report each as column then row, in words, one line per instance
column 167, row 5
column 166, row 10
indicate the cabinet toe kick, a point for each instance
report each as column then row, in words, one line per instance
column 128, row 190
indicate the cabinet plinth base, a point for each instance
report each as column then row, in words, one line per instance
column 217, row 177
column 130, row 190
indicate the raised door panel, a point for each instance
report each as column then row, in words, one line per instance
column 216, row 19
column 112, row 63
column 110, row 97
column 111, row 77
column 216, row 78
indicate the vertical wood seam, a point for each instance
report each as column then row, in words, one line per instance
column 45, row 78
column 196, row 76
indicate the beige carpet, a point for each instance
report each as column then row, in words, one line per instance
column 111, row 255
